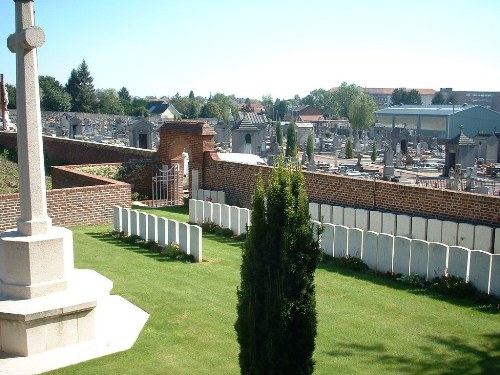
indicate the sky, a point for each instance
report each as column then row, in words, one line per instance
column 265, row 47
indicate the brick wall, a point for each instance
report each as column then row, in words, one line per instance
column 238, row 181
column 76, row 204
column 73, row 151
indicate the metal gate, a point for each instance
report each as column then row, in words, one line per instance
column 165, row 187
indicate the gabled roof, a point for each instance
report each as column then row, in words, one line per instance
column 462, row 139
column 250, row 121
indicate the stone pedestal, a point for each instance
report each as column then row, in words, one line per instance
column 45, row 303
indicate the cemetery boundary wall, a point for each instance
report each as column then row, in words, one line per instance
column 238, row 181
column 75, row 204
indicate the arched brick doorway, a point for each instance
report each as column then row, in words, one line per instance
column 194, row 137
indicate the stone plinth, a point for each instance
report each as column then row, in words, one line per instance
column 34, row 266
column 30, row 326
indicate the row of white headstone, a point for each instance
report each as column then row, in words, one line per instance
column 402, row 255
column 158, row 229
column 209, row 195
column 478, row 237
column 232, row 217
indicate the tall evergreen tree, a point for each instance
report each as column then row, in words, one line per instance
column 279, row 133
column 348, row 150
column 374, row 154
column 81, row 88
column 310, row 147
column 276, row 324
column 291, row 141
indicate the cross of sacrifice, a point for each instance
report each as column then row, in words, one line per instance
column 33, row 219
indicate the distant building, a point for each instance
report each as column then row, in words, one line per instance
column 304, row 113
column 486, row 99
column 141, row 134
column 488, row 147
column 249, row 133
column 441, row 121
column 382, row 96
column 163, row 110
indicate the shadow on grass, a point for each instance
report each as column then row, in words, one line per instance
column 488, row 305
column 183, row 210
column 105, row 237
column 453, row 356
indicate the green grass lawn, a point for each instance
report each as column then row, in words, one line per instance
column 367, row 324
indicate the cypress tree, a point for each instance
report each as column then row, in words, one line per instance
column 276, row 324
column 374, row 155
column 348, row 150
column 279, row 134
column 310, row 147
column 291, row 141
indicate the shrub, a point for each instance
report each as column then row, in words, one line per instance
column 353, row 263
column 412, row 279
column 453, row 286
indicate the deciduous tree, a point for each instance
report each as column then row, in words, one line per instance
column 361, row 112
column 53, row 96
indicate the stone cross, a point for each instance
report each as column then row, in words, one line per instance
column 34, row 219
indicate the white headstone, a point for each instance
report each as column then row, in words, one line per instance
column 315, row 226
column 195, row 183
column 362, row 218
column 449, row 233
column 370, row 249
column 465, row 235
column 173, row 231
column 419, row 228
column 495, row 275
column 225, row 216
column 216, row 213
column 134, row 223
column 152, row 228
column 355, row 242
column 403, row 226
column 376, row 221
column 235, row 220
column 221, row 197
column 207, row 211
column 126, row 220
column 184, row 237
column 401, row 263
column 192, row 211
column 497, row 241
column 117, row 218
column 314, row 210
column 458, row 262
column 338, row 215
column 326, row 213
column 434, row 230
column 479, row 270
column 483, row 238
column 438, row 256
column 419, row 257
column 244, row 219
column 349, row 217
column 389, row 223
column 214, row 196
column 385, row 252
column 201, row 195
column 200, row 211
column 143, row 225
column 340, row 241
column 206, row 195
column 327, row 239
column 195, row 242
column 162, row 231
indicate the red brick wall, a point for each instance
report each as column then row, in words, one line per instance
column 72, row 151
column 238, row 180
column 75, row 204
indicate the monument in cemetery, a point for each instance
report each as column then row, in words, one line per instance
column 45, row 303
